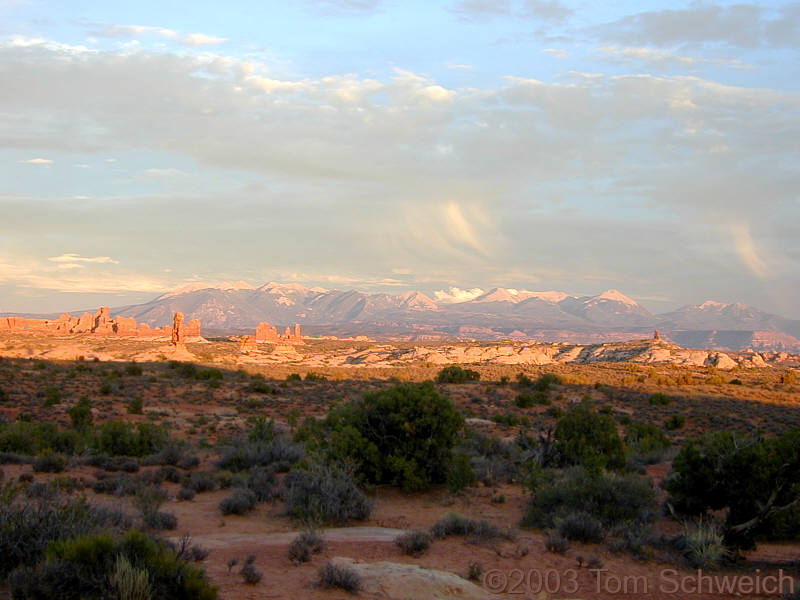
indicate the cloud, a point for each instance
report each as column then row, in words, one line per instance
column 343, row 7
column 451, row 65
column 666, row 58
column 556, row 52
column 582, row 177
column 28, row 273
column 135, row 31
column 168, row 172
column 201, row 39
column 747, row 250
column 38, row 161
column 71, row 257
column 455, row 294
column 741, row 25
column 543, row 10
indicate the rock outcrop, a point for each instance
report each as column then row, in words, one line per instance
column 99, row 323
column 399, row 581
column 267, row 333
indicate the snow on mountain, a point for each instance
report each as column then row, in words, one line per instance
column 194, row 287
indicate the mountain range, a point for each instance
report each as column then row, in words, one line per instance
column 500, row 313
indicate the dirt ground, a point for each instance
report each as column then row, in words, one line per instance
column 207, row 411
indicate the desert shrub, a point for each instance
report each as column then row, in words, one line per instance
column 608, row 497
column 511, row 420
column 133, row 369
column 455, row 374
column 201, row 482
column 294, row 377
column 402, row 435
column 3, row 396
column 702, row 544
column 185, row 494
column 312, row 376
column 80, row 414
column 27, row 527
column 209, row 375
column 118, row 438
column 339, row 577
column 93, row 566
column 325, row 494
column 474, row 571
column 646, row 441
column 259, row 386
column 414, row 542
column 49, row 463
column 263, row 482
column 25, row 437
column 676, row 421
column 582, row 527
column 526, row 400
column 456, row 524
column 249, row 573
column 135, row 406
column 542, row 384
column 585, row 437
column 52, row 395
column 305, row 545
column 756, row 479
column 659, row 399
column 239, row 502
column 460, row 475
column 119, row 485
column 555, row 542
column 159, row 520
column 492, row 459
column 279, row 452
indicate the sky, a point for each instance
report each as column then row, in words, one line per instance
column 650, row 147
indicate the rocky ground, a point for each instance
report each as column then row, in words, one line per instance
column 712, row 390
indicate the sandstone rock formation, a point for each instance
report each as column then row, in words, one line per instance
column 178, row 332
column 248, row 344
column 99, row 323
column 267, row 333
column 399, row 581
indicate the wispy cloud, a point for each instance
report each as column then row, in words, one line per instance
column 748, row 251
column 37, row 161
column 556, row 52
column 135, row 31
column 71, row 257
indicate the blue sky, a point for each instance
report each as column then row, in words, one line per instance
column 386, row 145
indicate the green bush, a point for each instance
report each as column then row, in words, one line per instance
column 238, row 503
column 414, row 542
column 526, row 400
column 756, row 479
column 279, row 452
column 81, row 414
column 460, row 475
column 95, row 567
column 305, row 545
column 52, row 395
column 582, row 527
column 455, row 374
column 312, row 376
column 585, row 437
column 25, row 437
column 135, row 406
column 646, row 441
column 294, row 377
column 325, row 494
column 456, row 524
column 133, row 369
column 339, row 577
column 119, row 438
column 402, row 435
column 27, row 527
column 659, row 399
column 676, row 421
column 608, row 497
column 542, row 384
